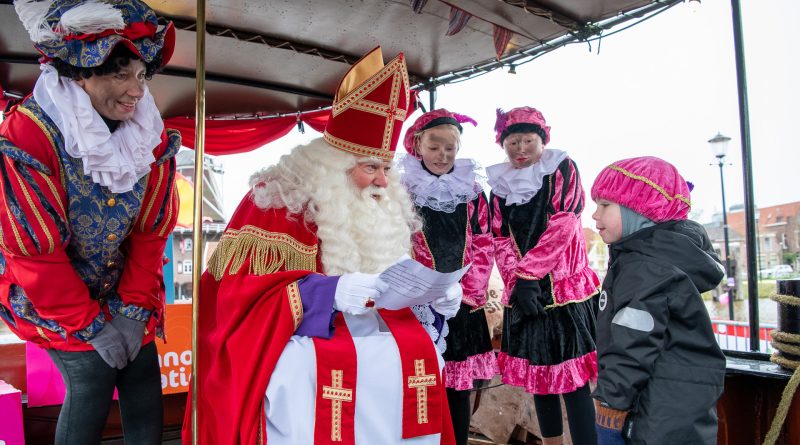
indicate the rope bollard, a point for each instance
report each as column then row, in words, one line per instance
column 786, row 342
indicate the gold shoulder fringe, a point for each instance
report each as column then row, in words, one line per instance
column 268, row 252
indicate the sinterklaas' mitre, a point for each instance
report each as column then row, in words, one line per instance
column 369, row 108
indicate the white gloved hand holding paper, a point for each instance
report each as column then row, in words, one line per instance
column 354, row 290
column 450, row 303
column 411, row 284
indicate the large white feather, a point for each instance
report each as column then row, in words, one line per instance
column 33, row 15
column 91, row 17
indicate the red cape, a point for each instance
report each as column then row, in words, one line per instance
column 245, row 322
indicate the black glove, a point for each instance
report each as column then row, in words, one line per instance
column 110, row 344
column 527, row 295
column 132, row 332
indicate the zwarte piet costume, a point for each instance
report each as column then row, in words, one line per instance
column 86, row 207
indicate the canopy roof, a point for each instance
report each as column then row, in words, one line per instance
column 275, row 57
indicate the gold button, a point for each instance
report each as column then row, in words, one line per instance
column 106, row 285
column 111, row 237
column 111, row 202
column 111, row 264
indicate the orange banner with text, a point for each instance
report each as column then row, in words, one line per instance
column 175, row 356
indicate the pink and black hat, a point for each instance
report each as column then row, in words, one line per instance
column 434, row 119
column 649, row 186
column 521, row 115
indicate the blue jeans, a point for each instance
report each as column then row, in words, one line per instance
column 90, row 384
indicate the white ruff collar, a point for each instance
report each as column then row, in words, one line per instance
column 441, row 193
column 115, row 160
column 519, row 185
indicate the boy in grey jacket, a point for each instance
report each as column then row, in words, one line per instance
column 660, row 368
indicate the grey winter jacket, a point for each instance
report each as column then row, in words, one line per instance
column 656, row 351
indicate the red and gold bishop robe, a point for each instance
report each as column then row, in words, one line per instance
column 250, row 309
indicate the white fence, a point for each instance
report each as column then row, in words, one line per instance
column 735, row 335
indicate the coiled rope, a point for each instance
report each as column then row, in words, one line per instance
column 790, row 344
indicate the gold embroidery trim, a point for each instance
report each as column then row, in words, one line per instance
column 467, row 232
column 337, row 394
column 55, row 192
column 42, row 334
column 170, row 207
column 268, row 252
column 39, row 123
column 647, row 181
column 358, row 149
column 36, row 213
column 3, row 240
column 421, row 381
column 153, row 199
column 49, row 137
column 428, row 247
column 526, row 276
column 295, row 303
column 580, row 300
column 13, row 224
column 368, row 86
column 478, row 308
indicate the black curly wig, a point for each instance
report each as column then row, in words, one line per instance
column 120, row 57
column 523, row 127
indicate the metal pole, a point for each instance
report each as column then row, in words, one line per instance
column 197, row 231
column 747, row 169
column 728, row 271
column 432, row 97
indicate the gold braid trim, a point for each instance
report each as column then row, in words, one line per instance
column 789, row 343
column 268, row 252
column 783, row 407
column 785, row 299
column 479, row 308
column 649, row 182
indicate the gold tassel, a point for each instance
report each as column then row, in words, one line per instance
column 268, row 252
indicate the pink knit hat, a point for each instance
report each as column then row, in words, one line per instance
column 647, row 185
column 521, row 115
column 434, row 119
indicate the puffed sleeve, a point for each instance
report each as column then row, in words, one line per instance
column 476, row 281
column 34, row 234
column 566, row 206
column 141, row 285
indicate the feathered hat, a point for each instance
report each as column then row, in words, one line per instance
column 434, row 119
column 369, row 108
column 84, row 33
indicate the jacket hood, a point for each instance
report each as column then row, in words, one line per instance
column 683, row 244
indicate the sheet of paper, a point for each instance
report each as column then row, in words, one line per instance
column 411, row 283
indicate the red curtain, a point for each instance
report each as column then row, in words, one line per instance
column 225, row 137
column 316, row 119
column 3, row 100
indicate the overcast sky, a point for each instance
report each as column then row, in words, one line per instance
column 661, row 88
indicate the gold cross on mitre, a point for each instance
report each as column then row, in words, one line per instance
column 421, row 381
column 370, row 90
column 336, row 394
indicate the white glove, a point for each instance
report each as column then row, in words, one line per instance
column 450, row 303
column 354, row 290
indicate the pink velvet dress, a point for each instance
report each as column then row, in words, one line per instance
column 541, row 239
column 455, row 215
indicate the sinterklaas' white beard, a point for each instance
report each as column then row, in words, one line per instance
column 357, row 232
column 362, row 234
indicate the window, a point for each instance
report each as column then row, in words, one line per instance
column 187, row 245
column 187, row 266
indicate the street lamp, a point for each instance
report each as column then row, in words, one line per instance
column 719, row 147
